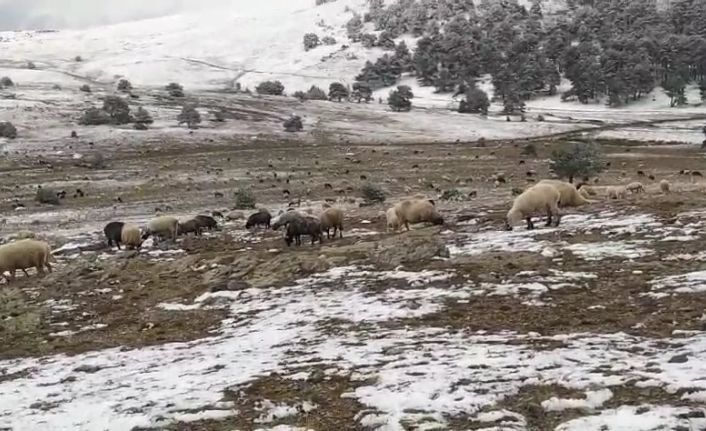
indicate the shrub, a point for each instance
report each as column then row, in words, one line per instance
column 244, row 199
column 368, row 40
column 175, row 90
column 47, row 196
column 143, row 117
column 272, row 88
column 400, row 100
column 94, row 117
column 8, row 130
column 31, row 65
column 117, row 109
column 315, row 93
column 337, row 91
column 78, row 59
column 540, row 118
column 140, row 126
column 578, row 160
column 452, row 195
column 85, row 88
column 328, row 40
column 124, row 85
column 300, row 95
column 372, row 193
column 311, row 41
column 293, row 124
column 476, row 102
column 189, row 116
column 219, row 116
column 6, row 82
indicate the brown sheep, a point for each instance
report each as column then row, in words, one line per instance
column 664, row 186
column 332, row 218
column 417, row 211
column 24, row 254
column 164, row 226
column 568, row 195
column 537, row 199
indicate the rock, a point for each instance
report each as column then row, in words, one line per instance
column 414, row 246
column 679, row 359
column 90, row 369
column 229, row 286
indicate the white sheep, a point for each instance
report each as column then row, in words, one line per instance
column 165, row 226
column 393, row 223
column 635, row 187
column 568, row 195
column 617, row 192
column 664, row 186
column 23, row 254
column 417, row 211
column 131, row 236
column 332, row 218
column 540, row 198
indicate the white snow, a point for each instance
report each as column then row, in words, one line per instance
column 636, row 418
column 593, row 400
column 692, row 282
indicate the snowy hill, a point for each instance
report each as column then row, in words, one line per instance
column 247, row 41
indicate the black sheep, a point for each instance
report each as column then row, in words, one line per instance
column 303, row 226
column 206, row 222
column 190, row 226
column 260, row 218
column 113, row 232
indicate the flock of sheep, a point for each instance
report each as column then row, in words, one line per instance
column 544, row 197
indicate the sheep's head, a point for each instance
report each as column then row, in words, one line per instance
column 146, row 234
column 513, row 217
column 437, row 220
column 288, row 239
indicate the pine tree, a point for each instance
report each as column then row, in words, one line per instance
column 311, row 41
column 578, row 160
column 476, row 102
column 315, row 93
column 117, row 109
column 337, row 91
column 400, row 99
column 189, row 116
column 143, row 117
column 361, row 91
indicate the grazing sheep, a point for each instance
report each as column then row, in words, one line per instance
column 131, row 236
column 190, row 226
column 393, row 223
column 286, row 218
column 206, row 222
column 635, row 187
column 568, row 195
column 113, row 233
column 303, row 226
column 584, row 193
column 617, row 192
column 417, row 211
column 24, row 254
column 664, row 186
column 332, row 218
column 536, row 199
column 640, row 173
column 516, row 191
column 260, row 218
column 165, row 226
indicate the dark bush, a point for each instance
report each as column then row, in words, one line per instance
column 124, row 85
column 272, row 88
column 8, row 130
column 117, row 109
column 175, row 90
column 293, row 124
column 85, row 88
column 189, row 116
column 94, row 117
column 372, row 193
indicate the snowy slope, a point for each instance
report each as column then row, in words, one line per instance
column 248, row 41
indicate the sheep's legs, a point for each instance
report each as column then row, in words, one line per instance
column 549, row 219
column 25, row 271
column 558, row 219
column 340, row 232
column 530, row 225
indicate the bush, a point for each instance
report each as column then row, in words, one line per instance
column 85, row 88
column 6, row 82
column 368, row 40
column 400, row 100
column 293, row 124
column 189, row 116
column 219, row 116
column 244, row 199
column 328, row 40
column 300, row 95
column 311, row 41
column 452, row 195
column 78, row 59
column 31, row 65
column 372, row 193
column 272, row 88
column 124, row 85
column 8, row 130
column 143, row 117
column 337, row 91
column 140, row 126
column 47, row 196
column 476, row 102
column 315, row 93
column 94, row 117
column 175, row 90
column 117, row 109
column 578, row 160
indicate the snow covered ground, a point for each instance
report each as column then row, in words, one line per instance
column 421, row 375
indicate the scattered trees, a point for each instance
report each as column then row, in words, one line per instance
column 337, row 91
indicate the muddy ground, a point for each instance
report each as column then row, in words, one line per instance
column 99, row 298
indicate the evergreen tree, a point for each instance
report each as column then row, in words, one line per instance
column 578, row 160
column 117, row 109
column 475, row 102
column 400, row 99
column 315, row 93
column 124, row 85
column 311, row 41
column 175, row 90
column 189, row 116
column 337, row 91
column 674, row 87
column 272, row 88
column 143, row 117
column 361, row 91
